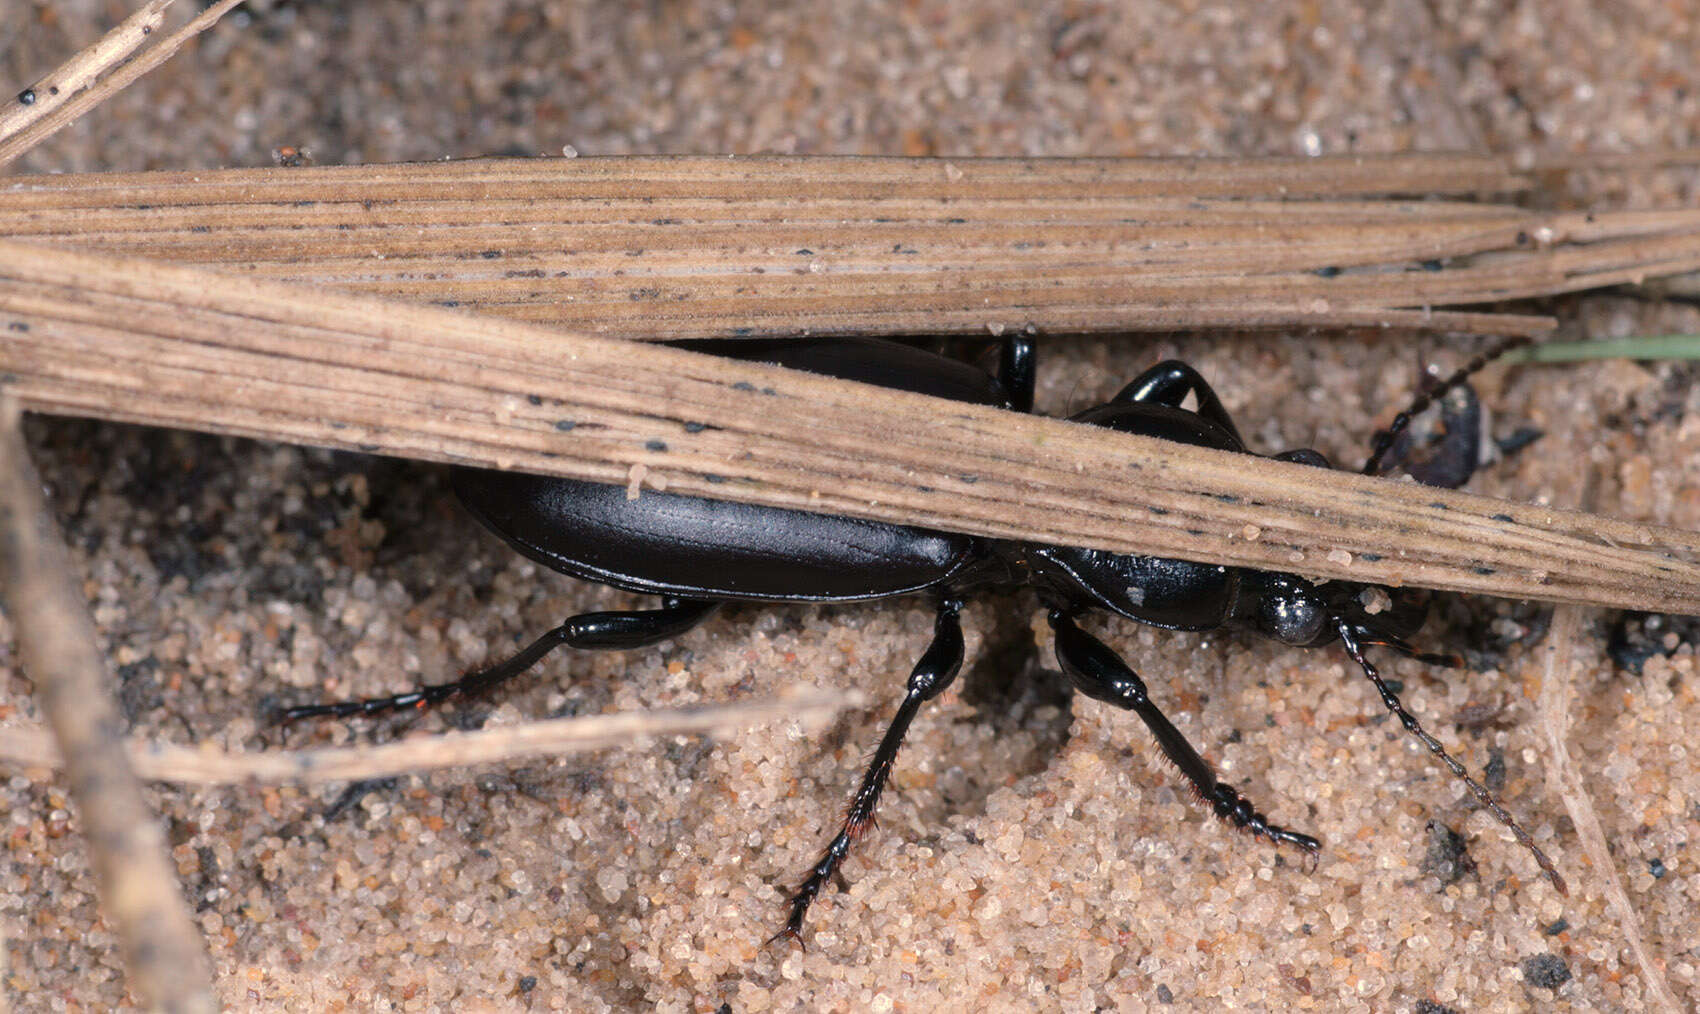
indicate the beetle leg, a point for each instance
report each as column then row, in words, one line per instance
column 1366, row 637
column 606, row 631
column 1099, row 673
column 1169, row 382
column 1305, row 456
column 935, row 671
column 1354, row 648
column 1384, row 441
column 1017, row 371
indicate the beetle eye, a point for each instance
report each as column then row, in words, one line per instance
column 1293, row 619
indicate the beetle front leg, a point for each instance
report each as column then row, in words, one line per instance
column 613, row 631
column 1099, row 673
column 935, row 671
column 1018, row 372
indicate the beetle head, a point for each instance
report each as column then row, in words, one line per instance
column 1292, row 610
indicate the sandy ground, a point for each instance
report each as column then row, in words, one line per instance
column 1034, row 854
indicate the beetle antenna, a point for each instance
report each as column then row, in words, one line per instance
column 1420, row 403
column 1349, row 638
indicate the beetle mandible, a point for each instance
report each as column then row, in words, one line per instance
column 696, row 553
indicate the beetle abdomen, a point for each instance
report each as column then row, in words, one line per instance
column 873, row 361
column 670, row 544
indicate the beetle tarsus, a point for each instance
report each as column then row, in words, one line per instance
column 1099, row 673
column 935, row 671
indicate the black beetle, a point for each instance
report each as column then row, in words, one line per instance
column 696, row 553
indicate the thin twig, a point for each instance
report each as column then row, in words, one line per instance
column 1554, row 709
column 146, row 342
column 25, row 132
column 56, row 640
column 1559, row 664
column 169, row 762
column 5, row 971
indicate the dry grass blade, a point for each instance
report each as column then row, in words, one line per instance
column 1555, row 723
column 658, row 247
column 139, row 341
column 67, row 93
column 43, row 98
column 56, row 644
column 168, row 762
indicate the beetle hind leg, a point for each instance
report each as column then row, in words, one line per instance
column 935, row 671
column 1099, row 673
column 612, row 631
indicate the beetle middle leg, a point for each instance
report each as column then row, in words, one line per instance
column 612, row 631
column 935, row 671
column 1169, row 382
column 1099, row 673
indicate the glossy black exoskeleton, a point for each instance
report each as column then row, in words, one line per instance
column 696, row 553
